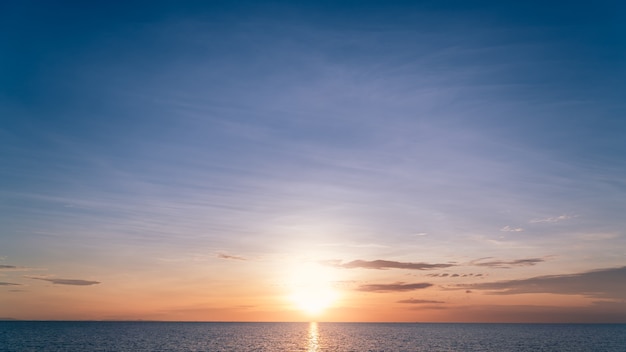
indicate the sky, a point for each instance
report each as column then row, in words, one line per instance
column 431, row 161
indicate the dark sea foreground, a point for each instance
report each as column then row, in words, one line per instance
column 164, row 336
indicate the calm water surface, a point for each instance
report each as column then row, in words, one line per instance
column 332, row 337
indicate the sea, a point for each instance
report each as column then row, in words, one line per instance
column 57, row 336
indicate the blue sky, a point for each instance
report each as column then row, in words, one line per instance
column 404, row 131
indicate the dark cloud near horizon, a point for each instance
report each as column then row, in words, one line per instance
column 395, row 287
column 507, row 264
column 603, row 283
column 230, row 256
column 73, row 282
column 453, row 275
column 419, row 301
column 384, row 264
column 3, row 266
column 9, row 284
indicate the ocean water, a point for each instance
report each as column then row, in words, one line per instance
column 20, row 336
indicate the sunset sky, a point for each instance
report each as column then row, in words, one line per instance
column 313, row 160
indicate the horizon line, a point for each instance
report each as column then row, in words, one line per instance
column 292, row 322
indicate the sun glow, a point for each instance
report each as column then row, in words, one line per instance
column 311, row 289
column 313, row 301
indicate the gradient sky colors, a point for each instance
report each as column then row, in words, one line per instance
column 418, row 161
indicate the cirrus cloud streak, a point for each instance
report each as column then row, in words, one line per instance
column 507, row 264
column 72, row 282
column 419, row 301
column 395, row 287
column 385, row 264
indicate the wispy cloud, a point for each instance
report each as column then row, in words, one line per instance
column 598, row 236
column 506, row 264
column 603, row 283
column 230, row 256
column 73, row 282
column 8, row 284
column 419, row 301
column 508, row 228
column 5, row 267
column 395, row 287
column 552, row 219
column 384, row 264
column 454, row 275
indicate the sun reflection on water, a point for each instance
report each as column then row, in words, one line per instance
column 314, row 336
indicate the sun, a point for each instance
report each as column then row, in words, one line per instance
column 313, row 300
column 311, row 289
